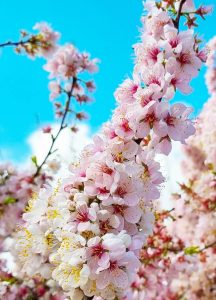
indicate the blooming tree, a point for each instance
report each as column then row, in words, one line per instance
column 87, row 232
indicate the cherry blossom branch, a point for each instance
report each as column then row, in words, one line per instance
column 177, row 20
column 62, row 126
column 41, row 44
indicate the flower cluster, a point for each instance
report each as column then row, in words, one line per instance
column 162, row 257
column 179, row 258
column 64, row 63
column 15, row 189
column 168, row 60
column 201, row 150
column 14, row 288
column 170, row 270
column 188, row 11
column 211, row 64
column 88, row 232
column 195, row 207
column 41, row 44
column 65, row 67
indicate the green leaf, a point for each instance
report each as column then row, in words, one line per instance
column 10, row 280
column 9, row 200
column 192, row 250
column 32, row 297
column 34, row 160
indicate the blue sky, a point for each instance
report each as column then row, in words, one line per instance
column 105, row 28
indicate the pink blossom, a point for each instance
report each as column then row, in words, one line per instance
column 125, row 92
column 48, row 39
column 47, row 129
column 149, row 117
column 55, row 89
column 68, row 62
column 84, row 216
column 115, row 274
column 179, row 127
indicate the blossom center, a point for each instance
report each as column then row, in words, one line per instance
column 106, row 169
column 97, row 250
column 174, row 42
column 153, row 53
column 120, row 191
column 184, row 58
column 125, row 125
column 170, row 120
column 82, row 216
column 113, row 265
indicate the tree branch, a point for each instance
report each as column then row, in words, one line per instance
column 208, row 246
column 62, row 126
column 177, row 20
column 13, row 44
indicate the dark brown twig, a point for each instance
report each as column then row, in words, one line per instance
column 62, row 126
column 177, row 20
column 13, row 44
column 207, row 246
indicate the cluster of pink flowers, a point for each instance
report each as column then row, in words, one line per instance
column 42, row 44
column 88, row 232
column 65, row 66
column 189, row 11
column 211, row 64
column 195, row 207
column 15, row 189
column 179, row 260
column 172, row 270
column 167, row 61
column 161, row 257
column 14, row 288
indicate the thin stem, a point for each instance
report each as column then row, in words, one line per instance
column 62, row 126
column 208, row 246
column 177, row 20
column 13, row 44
